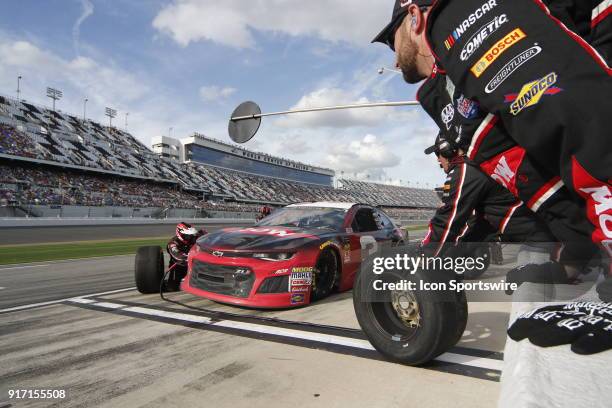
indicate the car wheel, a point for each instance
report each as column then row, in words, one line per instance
column 324, row 275
column 481, row 251
column 408, row 326
column 149, row 269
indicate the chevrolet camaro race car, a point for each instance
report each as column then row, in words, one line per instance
column 298, row 254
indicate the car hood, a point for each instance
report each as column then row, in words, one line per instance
column 261, row 238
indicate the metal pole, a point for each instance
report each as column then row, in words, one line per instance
column 126, row 123
column 85, row 109
column 18, row 88
column 329, row 108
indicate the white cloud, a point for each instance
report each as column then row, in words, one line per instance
column 153, row 109
column 367, row 155
column 231, row 22
column 337, row 119
column 87, row 10
column 215, row 93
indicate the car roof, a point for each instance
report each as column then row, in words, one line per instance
column 325, row 204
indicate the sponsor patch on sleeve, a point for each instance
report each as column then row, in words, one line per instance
column 531, row 93
column 496, row 51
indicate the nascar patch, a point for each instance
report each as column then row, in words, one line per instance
column 468, row 22
column 467, row 107
column 531, row 93
column 496, row 51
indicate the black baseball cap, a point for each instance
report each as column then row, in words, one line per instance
column 436, row 146
column 400, row 10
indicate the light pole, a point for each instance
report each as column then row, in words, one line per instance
column 54, row 94
column 85, row 108
column 111, row 113
column 18, row 88
column 382, row 70
column 126, row 123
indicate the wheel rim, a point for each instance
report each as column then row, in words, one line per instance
column 397, row 316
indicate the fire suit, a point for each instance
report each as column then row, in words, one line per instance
column 179, row 251
column 540, row 82
column 590, row 19
column 468, row 190
column 489, row 145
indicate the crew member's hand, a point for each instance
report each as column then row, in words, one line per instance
column 549, row 272
column 587, row 326
column 605, row 290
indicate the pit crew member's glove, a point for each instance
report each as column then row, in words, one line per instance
column 604, row 289
column 549, row 272
column 587, row 326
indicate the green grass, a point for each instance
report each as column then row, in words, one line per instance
column 12, row 254
column 414, row 227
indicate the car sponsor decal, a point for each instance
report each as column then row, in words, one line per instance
column 299, row 269
column 531, row 93
column 297, row 298
column 300, row 278
column 468, row 22
column 325, row 244
column 508, row 69
column 475, row 41
column 447, row 115
column 300, row 289
column 268, row 231
column 281, row 271
column 496, row 51
column 347, row 253
column 467, row 107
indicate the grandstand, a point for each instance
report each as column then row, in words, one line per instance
column 53, row 158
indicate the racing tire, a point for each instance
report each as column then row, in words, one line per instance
column 441, row 320
column 481, row 251
column 149, row 269
column 325, row 275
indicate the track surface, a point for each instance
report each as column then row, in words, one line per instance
column 127, row 349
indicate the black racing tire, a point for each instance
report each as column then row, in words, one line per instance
column 325, row 275
column 149, row 269
column 441, row 320
column 481, row 251
column 461, row 318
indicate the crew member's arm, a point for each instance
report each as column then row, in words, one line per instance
column 463, row 191
column 176, row 253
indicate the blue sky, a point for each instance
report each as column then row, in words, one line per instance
column 186, row 64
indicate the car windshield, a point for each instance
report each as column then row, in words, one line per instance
column 305, row 217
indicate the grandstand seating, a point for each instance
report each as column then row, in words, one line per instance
column 52, row 137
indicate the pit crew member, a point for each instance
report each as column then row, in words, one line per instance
column 468, row 191
column 178, row 248
column 543, row 112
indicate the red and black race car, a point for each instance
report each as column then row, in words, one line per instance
column 297, row 254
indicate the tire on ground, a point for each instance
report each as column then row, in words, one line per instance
column 443, row 317
column 325, row 275
column 149, row 269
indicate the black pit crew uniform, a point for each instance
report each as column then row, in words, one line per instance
column 540, row 82
column 179, row 250
column 487, row 144
column 468, row 190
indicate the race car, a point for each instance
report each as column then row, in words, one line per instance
column 298, row 254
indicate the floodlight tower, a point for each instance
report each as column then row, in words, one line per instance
column 54, row 94
column 111, row 113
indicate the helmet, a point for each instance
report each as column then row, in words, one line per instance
column 186, row 233
column 443, row 147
